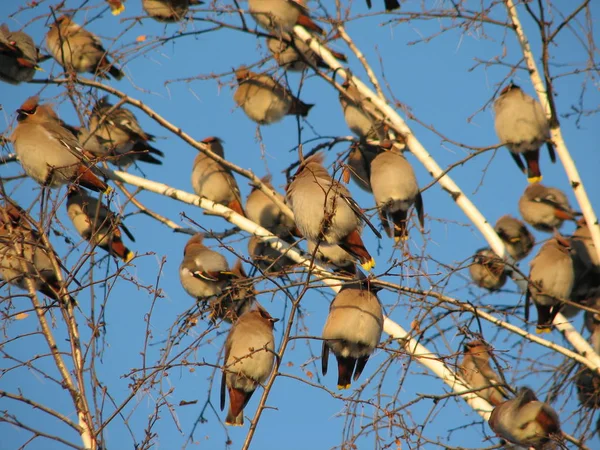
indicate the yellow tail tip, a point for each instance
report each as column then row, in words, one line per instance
column 535, row 179
column 39, row 69
column 342, row 387
column 108, row 190
column 514, row 240
column 368, row 265
column 543, row 330
column 129, row 256
column 117, row 10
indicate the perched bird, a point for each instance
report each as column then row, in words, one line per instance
column 359, row 164
column 551, row 280
column 240, row 297
column 361, row 115
column 97, row 224
column 352, row 330
column 334, row 255
column 395, row 190
column 521, row 125
column 325, row 211
column 262, row 210
column 116, row 6
column 267, row 258
column 168, row 10
column 18, row 56
column 588, row 388
column 488, row 270
column 389, row 4
column 249, row 359
column 213, row 181
column 24, row 256
column 592, row 323
column 524, row 420
column 280, row 16
column 545, row 208
column 116, row 132
column 586, row 264
column 78, row 50
column 203, row 272
column 295, row 55
column 264, row 100
column 583, row 244
column 517, row 239
column 476, row 370
column 48, row 152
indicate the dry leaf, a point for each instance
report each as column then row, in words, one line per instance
column 21, row 316
column 140, row 38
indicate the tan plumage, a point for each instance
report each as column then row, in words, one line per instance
column 522, row 126
column 97, row 224
column 18, row 56
column 517, row 239
column 78, row 50
column 334, row 255
column 586, row 287
column 545, row 208
column 487, row 270
column 295, row 55
column 360, row 114
column 213, row 181
column 359, row 164
column 168, row 10
column 552, row 277
column 239, row 298
column 48, row 152
column 476, row 370
column 352, row 330
column 524, row 420
column 280, row 16
column 249, row 359
column 324, row 210
column 267, row 258
column 262, row 210
column 264, row 100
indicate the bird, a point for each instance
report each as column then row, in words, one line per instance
column 325, row 211
column 213, row 181
column 524, row 420
column 168, row 11
column 249, row 360
column 18, row 56
column 522, row 126
column 358, row 164
column 48, row 152
column 263, row 211
column 203, row 272
column 517, row 239
column 488, row 270
column 586, row 264
column 334, row 255
column 545, row 208
column 476, row 371
column 395, row 189
column 116, row 6
column 97, row 224
column 280, row 16
column 361, row 115
column 266, row 258
column 352, row 330
column 24, row 255
column 592, row 323
column 588, row 388
column 239, row 298
column 264, row 100
column 389, row 4
column 116, row 132
column 295, row 55
column 78, row 50
column 551, row 280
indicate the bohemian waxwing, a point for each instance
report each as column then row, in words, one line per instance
column 524, row 420
column 588, row 388
column 545, row 208
column 586, row 265
column 352, row 330
column 522, row 126
column 266, row 258
column 264, row 100
column 551, row 280
column 592, row 323
column 249, row 359
column 116, row 6
column 476, row 370
column 78, row 50
column 582, row 243
column 517, row 239
column 359, row 164
column 488, row 270
column 334, row 255
column 295, row 55
column 168, row 10
column 395, row 189
column 261, row 210
column 213, row 181
column 18, row 56
column 240, row 297
column 48, row 152
column 24, row 256
column 97, row 224
column 203, row 272
column 120, row 134
column 360, row 114
column 325, row 211
column 280, row 16
column 389, row 4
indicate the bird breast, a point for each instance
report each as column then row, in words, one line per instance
column 520, row 123
column 211, row 180
column 262, row 103
column 393, row 182
column 276, row 15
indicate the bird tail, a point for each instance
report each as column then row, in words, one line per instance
column 238, row 399
column 345, row 369
column 399, row 219
column 235, row 205
column 117, row 248
column 533, row 166
column 354, row 245
column 309, row 24
column 106, row 66
column 300, row 108
column 391, row 4
column 88, row 180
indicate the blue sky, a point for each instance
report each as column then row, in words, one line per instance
column 435, row 82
